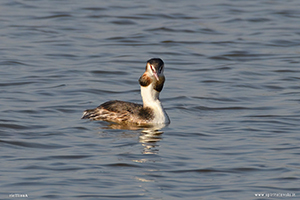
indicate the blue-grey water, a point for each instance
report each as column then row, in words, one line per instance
column 232, row 93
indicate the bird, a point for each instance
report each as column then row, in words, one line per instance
column 151, row 112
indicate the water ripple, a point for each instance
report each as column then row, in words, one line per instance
column 231, row 91
column 18, row 143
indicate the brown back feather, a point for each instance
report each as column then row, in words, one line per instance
column 121, row 112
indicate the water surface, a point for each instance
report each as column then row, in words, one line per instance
column 231, row 91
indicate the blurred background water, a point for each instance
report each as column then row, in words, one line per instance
column 232, row 94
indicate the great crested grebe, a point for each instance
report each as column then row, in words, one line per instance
column 150, row 113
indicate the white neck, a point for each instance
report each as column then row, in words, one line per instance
column 151, row 100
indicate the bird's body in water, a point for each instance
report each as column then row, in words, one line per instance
column 150, row 113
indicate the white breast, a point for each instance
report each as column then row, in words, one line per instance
column 151, row 100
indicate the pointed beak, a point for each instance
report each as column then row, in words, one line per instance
column 156, row 76
column 154, row 72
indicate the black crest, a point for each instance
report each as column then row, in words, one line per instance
column 156, row 61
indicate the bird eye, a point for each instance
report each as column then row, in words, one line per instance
column 160, row 70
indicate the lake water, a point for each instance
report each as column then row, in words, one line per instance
column 232, row 93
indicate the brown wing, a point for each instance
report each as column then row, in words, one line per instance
column 120, row 112
column 121, row 106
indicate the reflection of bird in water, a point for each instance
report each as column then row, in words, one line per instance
column 149, row 139
column 151, row 112
column 149, row 136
